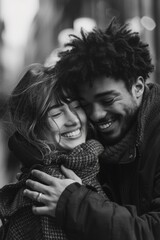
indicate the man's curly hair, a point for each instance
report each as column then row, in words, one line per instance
column 116, row 52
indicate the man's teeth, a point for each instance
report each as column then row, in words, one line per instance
column 104, row 126
column 72, row 134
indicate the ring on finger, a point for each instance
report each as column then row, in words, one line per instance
column 38, row 198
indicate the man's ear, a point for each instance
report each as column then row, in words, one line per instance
column 139, row 87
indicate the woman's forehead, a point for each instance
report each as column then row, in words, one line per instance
column 57, row 101
column 63, row 96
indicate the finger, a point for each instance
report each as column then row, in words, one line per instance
column 70, row 174
column 18, row 175
column 33, row 196
column 30, row 194
column 44, row 210
column 36, row 186
column 67, row 172
column 43, row 177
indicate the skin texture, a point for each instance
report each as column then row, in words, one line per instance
column 112, row 109
column 68, row 129
column 67, row 125
column 51, row 190
column 110, row 106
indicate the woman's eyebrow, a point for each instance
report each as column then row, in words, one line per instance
column 54, row 106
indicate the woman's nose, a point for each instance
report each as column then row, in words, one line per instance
column 71, row 118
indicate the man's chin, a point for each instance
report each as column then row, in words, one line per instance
column 109, row 140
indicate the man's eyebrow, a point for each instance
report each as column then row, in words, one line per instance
column 111, row 92
column 99, row 95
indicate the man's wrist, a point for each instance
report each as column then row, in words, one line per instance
column 62, row 202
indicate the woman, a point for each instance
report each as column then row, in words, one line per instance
column 51, row 130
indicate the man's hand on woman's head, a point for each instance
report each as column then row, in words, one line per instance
column 49, row 190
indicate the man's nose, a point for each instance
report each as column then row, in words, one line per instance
column 97, row 113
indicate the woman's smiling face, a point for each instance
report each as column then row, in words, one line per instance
column 68, row 124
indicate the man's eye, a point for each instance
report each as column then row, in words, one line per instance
column 108, row 101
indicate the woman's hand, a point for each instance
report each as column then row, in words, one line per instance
column 49, row 190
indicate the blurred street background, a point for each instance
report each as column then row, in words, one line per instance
column 34, row 30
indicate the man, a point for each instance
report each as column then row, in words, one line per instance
column 107, row 71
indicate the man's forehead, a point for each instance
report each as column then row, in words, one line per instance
column 102, row 87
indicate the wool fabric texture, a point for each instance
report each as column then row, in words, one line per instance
column 121, row 151
column 15, row 209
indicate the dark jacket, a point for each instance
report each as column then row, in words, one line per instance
column 132, row 214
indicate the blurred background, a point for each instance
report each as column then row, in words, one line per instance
column 34, row 30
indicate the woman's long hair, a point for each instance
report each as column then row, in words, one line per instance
column 30, row 101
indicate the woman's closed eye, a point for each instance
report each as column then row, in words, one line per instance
column 55, row 114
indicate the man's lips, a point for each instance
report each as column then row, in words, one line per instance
column 105, row 124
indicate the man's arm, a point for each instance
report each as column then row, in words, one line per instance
column 85, row 214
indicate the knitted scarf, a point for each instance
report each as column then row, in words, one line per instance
column 121, row 151
column 125, row 150
column 83, row 160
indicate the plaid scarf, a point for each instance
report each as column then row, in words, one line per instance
column 16, row 208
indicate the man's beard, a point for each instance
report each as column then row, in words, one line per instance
column 129, row 120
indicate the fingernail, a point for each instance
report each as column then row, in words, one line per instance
column 32, row 172
column 24, row 192
column 27, row 181
column 34, row 209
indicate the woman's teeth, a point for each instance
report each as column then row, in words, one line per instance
column 72, row 134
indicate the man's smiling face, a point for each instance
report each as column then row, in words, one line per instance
column 110, row 106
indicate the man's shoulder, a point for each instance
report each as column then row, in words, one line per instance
column 153, row 85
